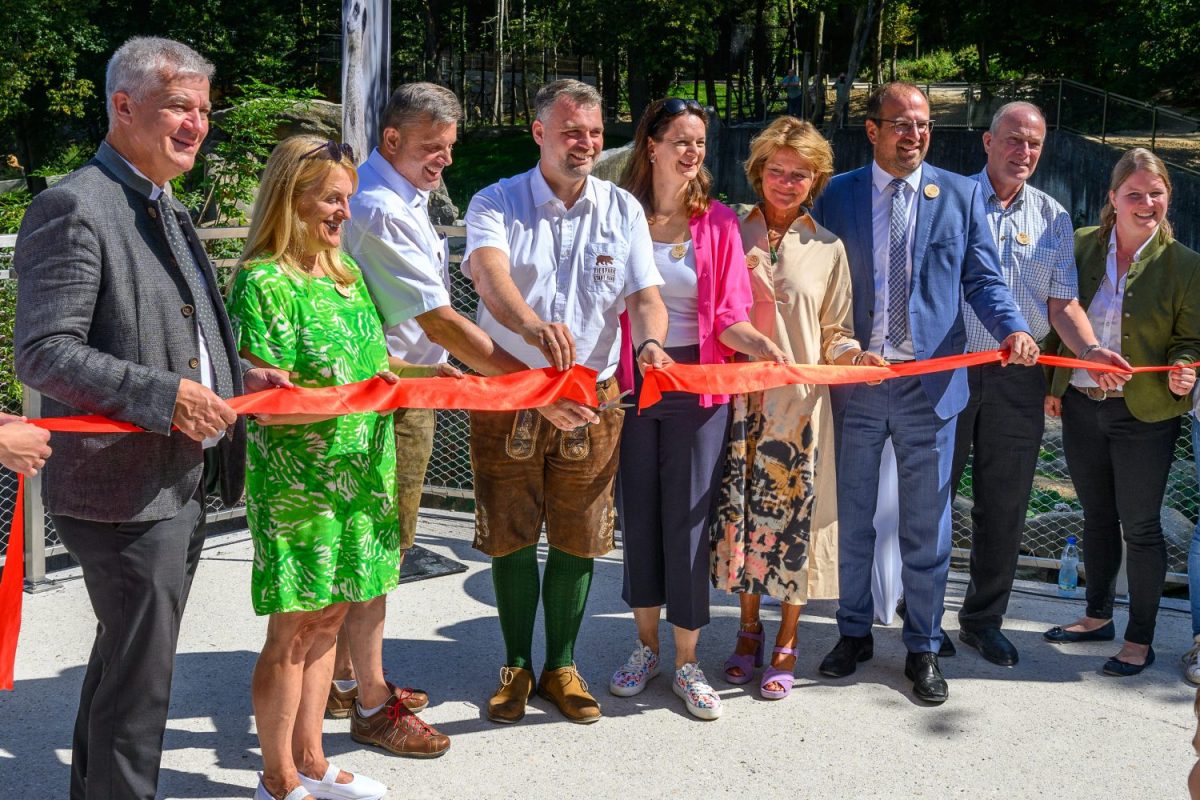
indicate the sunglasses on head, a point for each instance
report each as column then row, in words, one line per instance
column 332, row 150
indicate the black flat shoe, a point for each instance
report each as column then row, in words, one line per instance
column 1123, row 669
column 928, row 684
column 1059, row 635
column 846, row 655
column 992, row 645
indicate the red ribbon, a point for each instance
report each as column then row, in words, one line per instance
column 757, row 376
column 528, row 389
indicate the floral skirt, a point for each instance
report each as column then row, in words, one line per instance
column 760, row 531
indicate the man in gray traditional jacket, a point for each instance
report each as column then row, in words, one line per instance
column 119, row 313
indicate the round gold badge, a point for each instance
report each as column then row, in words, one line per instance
column 678, row 251
column 751, row 261
column 1023, row 238
column 931, row 190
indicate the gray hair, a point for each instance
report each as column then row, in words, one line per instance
column 145, row 63
column 580, row 93
column 412, row 103
column 1009, row 108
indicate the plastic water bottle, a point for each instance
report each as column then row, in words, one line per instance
column 1068, row 573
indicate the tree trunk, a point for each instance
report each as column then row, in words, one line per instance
column 524, row 64
column 818, row 109
column 877, row 71
column 761, row 64
column 982, row 50
column 433, row 66
column 863, row 23
column 498, row 62
column 895, row 46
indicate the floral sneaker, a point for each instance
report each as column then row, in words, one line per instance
column 631, row 678
column 699, row 697
column 1191, row 663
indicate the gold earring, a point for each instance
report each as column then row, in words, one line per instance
column 652, row 158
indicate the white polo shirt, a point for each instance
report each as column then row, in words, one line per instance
column 402, row 257
column 574, row 266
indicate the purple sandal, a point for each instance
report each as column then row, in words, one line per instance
column 746, row 663
column 784, row 677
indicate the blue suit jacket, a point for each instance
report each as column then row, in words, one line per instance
column 954, row 258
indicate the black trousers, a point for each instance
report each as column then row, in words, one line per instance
column 1119, row 465
column 1002, row 424
column 138, row 575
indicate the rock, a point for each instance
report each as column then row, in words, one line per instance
column 1177, row 530
column 316, row 117
column 1046, row 534
column 611, row 163
column 441, row 208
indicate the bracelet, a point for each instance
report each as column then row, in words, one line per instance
column 856, row 360
column 1088, row 350
column 638, row 353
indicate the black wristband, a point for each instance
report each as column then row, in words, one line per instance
column 638, row 353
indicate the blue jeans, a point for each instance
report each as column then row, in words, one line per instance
column 1193, row 564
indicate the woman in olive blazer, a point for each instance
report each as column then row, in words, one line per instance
column 1142, row 292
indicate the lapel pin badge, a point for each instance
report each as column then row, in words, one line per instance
column 1023, row 238
column 751, row 261
column 678, row 251
column 931, row 190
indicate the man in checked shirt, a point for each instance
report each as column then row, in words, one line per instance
column 1002, row 423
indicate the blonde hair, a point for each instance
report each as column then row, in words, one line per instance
column 802, row 138
column 1139, row 159
column 297, row 165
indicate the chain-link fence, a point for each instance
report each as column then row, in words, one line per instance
column 1054, row 512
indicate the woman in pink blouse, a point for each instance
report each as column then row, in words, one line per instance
column 672, row 453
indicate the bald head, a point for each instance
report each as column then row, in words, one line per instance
column 1014, row 145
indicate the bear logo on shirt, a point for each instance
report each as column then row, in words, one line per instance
column 604, row 271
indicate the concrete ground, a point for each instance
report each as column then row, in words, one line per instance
column 1051, row 727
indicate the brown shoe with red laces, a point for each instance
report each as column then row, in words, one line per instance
column 397, row 730
column 339, row 703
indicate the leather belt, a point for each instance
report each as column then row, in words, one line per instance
column 1096, row 393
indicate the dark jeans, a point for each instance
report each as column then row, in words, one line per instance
column 1002, row 424
column 672, row 455
column 1119, row 465
column 138, row 575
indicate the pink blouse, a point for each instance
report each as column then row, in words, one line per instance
column 722, row 295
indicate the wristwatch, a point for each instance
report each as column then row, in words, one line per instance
column 1083, row 356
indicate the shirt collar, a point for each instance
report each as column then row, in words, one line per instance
column 804, row 219
column 130, row 175
column 989, row 191
column 543, row 194
column 410, row 195
column 880, row 178
column 1137, row 256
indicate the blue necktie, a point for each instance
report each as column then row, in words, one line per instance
column 897, row 306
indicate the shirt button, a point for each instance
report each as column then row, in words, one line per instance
column 187, row 310
column 1126, row 314
column 194, row 363
column 152, row 212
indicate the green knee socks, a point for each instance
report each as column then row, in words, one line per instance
column 564, row 596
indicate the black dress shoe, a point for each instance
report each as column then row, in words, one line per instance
column 946, row 649
column 846, row 655
column 1123, row 669
column 928, row 684
column 992, row 645
column 1059, row 635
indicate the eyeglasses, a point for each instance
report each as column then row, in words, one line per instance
column 673, row 107
column 904, row 126
column 332, row 150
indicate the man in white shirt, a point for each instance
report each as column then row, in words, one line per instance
column 556, row 255
column 404, row 263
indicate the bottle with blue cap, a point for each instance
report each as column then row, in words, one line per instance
column 1068, row 573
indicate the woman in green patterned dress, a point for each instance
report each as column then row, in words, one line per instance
column 320, row 490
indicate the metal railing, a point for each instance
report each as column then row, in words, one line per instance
column 1053, row 514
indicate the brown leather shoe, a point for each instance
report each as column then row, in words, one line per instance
column 339, row 703
column 397, row 730
column 507, row 705
column 567, row 689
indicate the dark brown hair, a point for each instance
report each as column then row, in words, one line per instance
column 638, row 178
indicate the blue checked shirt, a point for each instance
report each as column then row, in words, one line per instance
column 1037, row 258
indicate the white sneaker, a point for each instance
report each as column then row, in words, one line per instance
column 631, row 678
column 700, row 698
column 1191, row 663
column 299, row 793
column 361, row 788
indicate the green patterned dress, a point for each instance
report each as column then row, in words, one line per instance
column 320, row 498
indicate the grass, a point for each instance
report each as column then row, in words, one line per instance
column 486, row 155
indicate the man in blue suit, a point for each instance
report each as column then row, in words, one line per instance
column 918, row 244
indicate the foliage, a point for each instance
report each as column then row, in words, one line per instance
column 243, row 138
column 12, row 209
column 71, row 157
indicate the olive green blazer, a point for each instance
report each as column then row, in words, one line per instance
column 1160, row 323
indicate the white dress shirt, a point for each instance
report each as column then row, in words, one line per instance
column 881, row 222
column 573, row 266
column 1104, row 312
column 402, row 257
